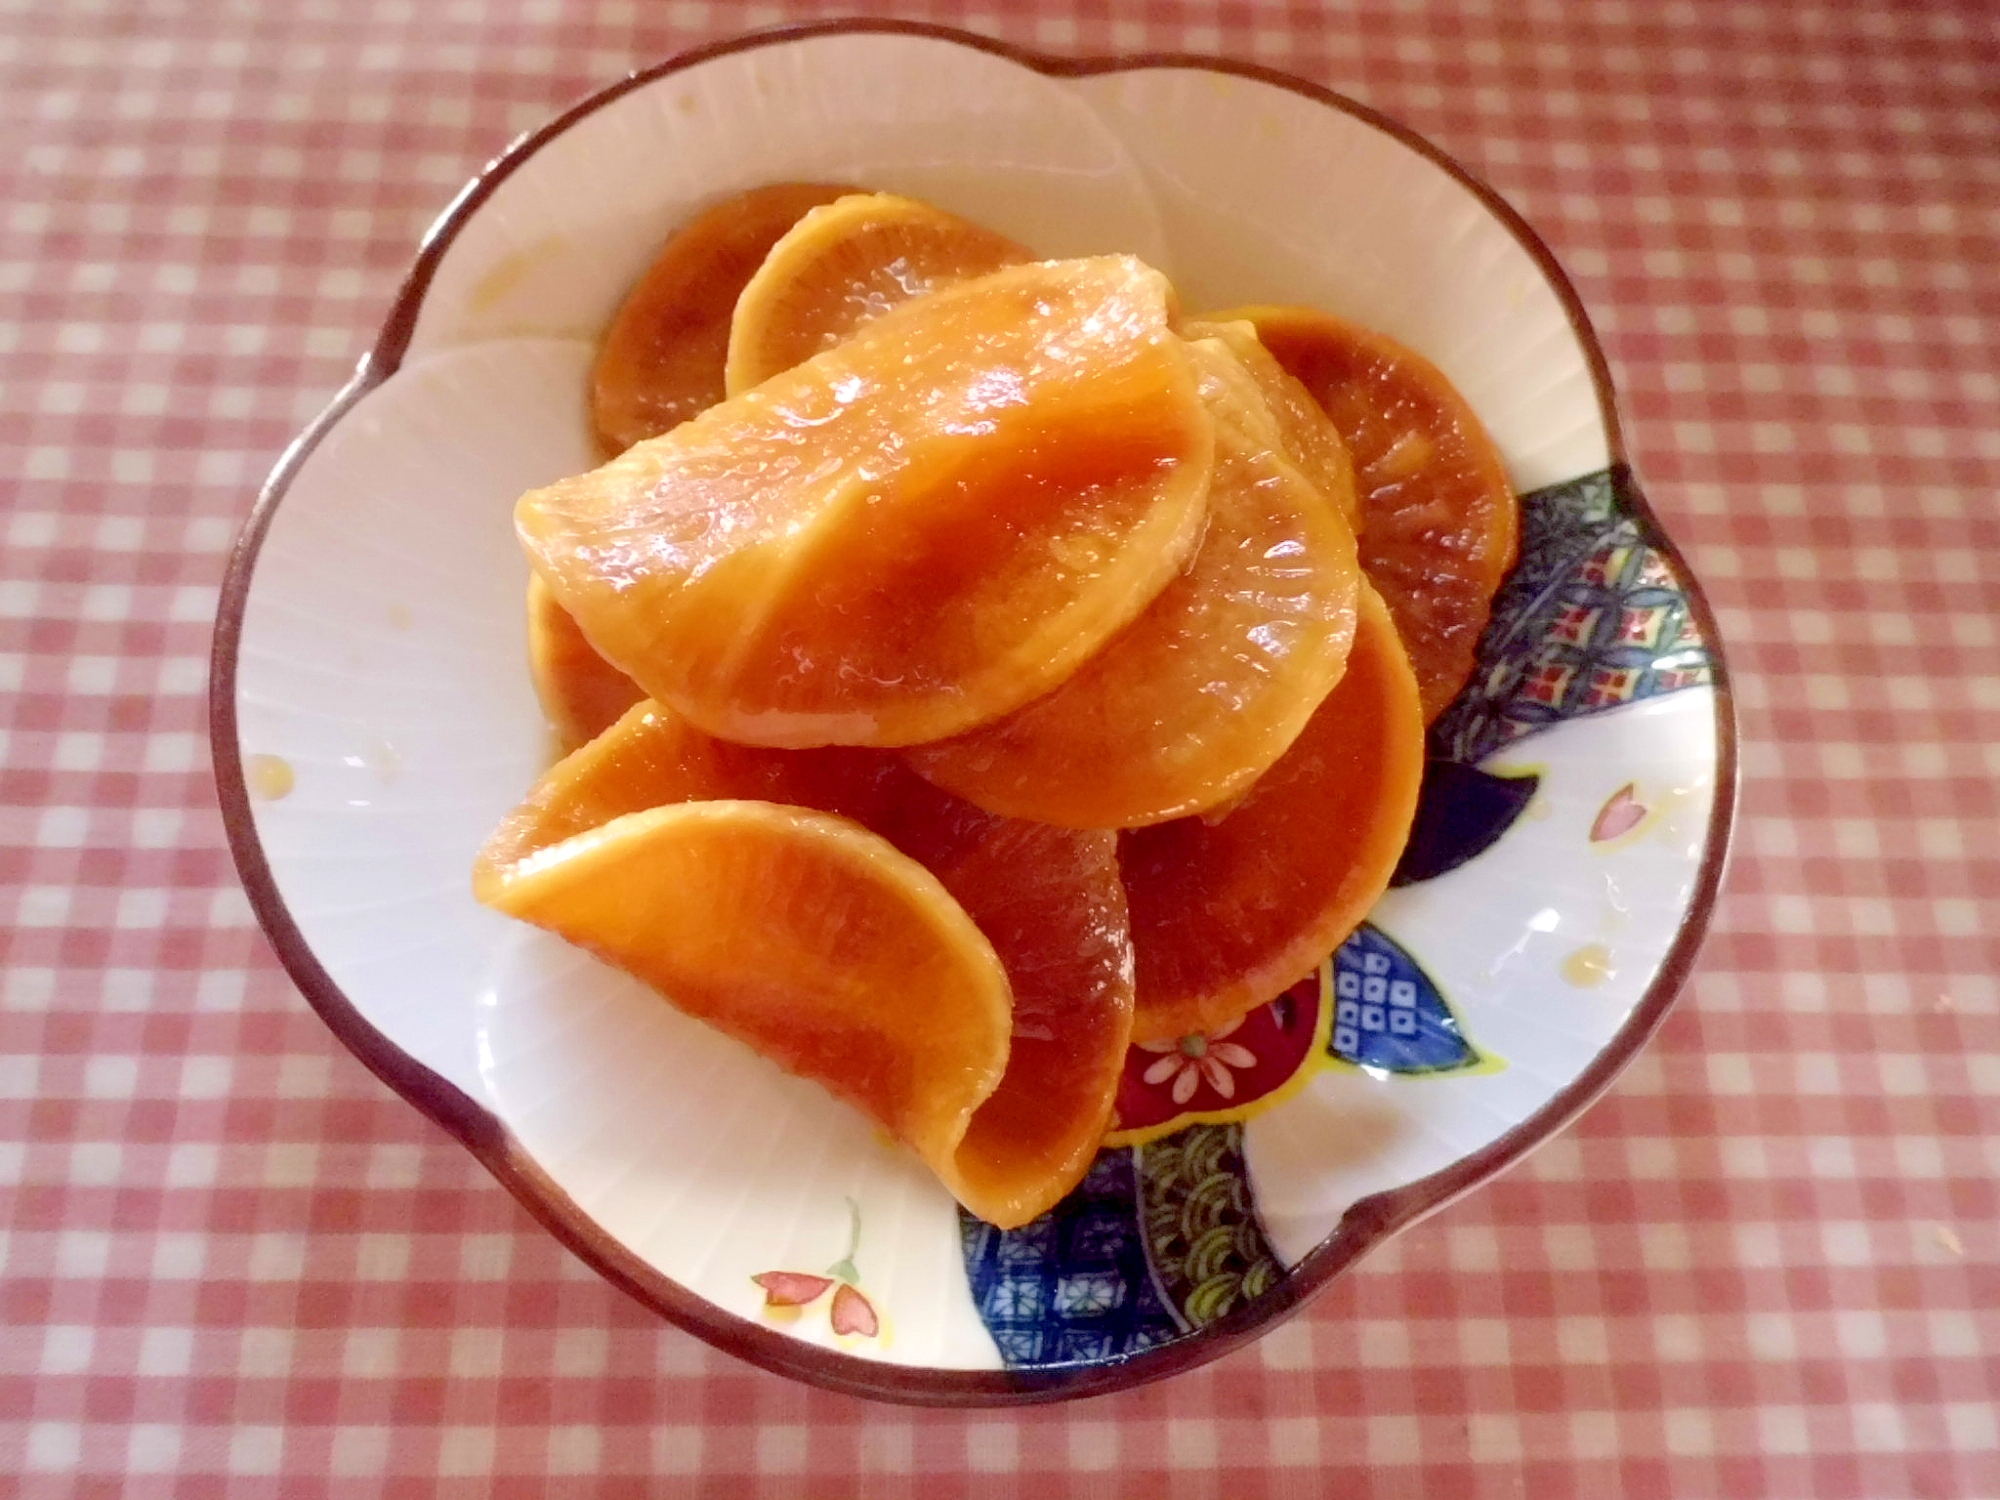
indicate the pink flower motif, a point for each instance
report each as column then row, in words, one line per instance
column 1621, row 813
column 851, row 1311
column 1196, row 1057
column 792, row 1288
column 854, row 1313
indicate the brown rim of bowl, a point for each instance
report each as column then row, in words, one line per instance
column 1367, row 1223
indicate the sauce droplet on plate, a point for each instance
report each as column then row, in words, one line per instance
column 270, row 776
column 1589, row 966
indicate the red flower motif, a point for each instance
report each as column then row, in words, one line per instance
column 791, row 1288
column 1610, row 685
column 1548, row 682
column 854, row 1313
column 1228, row 1069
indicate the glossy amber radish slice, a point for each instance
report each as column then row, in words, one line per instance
column 799, row 933
column 1229, row 913
column 1193, row 701
column 1050, row 900
column 915, row 532
column 1440, row 523
column 663, row 357
column 1052, row 903
column 845, row 263
column 581, row 692
column 1303, row 430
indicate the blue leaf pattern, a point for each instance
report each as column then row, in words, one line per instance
column 1388, row 1015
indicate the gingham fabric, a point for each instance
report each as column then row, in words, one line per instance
column 1768, row 1264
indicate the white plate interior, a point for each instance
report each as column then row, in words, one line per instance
column 1269, row 196
column 563, row 237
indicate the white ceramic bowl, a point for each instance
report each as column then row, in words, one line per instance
column 370, row 651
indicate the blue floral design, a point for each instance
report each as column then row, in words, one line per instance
column 1388, row 1015
column 1073, row 1286
column 1591, row 618
column 1159, row 1240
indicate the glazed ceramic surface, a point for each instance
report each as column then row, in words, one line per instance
column 374, row 720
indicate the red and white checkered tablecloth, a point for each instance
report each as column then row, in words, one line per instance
column 1767, row 1265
